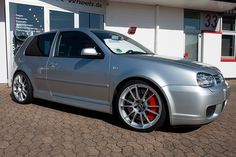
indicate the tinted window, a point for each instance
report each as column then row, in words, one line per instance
column 59, row 20
column 228, row 23
column 228, row 42
column 70, row 44
column 96, row 21
column 84, row 20
column 90, row 20
column 40, row 45
column 191, row 20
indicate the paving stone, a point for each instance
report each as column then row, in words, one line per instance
column 3, row 144
column 49, row 129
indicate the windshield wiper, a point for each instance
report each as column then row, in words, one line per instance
column 135, row 52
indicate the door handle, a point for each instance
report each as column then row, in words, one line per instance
column 53, row 65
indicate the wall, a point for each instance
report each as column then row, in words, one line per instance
column 3, row 59
column 120, row 16
column 170, row 36
column 212, row 54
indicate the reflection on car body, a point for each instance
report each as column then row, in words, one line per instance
column 108, row 72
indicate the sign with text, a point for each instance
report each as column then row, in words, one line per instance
column 210, row 22
column 83, row 5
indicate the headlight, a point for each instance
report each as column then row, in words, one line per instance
column 205, row 80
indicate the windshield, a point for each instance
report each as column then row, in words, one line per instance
column 120, row 44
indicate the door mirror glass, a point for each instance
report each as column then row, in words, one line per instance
column 91, row 53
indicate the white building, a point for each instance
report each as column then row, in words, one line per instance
column 204, row 30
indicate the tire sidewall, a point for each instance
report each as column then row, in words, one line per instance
column 160, row 121
column 29, row 97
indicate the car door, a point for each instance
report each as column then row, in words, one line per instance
column 36, row 58
column 73, row 77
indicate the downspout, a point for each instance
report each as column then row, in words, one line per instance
column 157, row 13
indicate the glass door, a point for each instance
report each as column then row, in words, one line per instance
column 192, row 35
column 193, row 46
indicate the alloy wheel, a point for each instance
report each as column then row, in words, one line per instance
column 20, row 87
column 140, row 106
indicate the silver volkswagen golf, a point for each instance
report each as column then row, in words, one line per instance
column 109, row 72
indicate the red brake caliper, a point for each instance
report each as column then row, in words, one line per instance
column 152, row 102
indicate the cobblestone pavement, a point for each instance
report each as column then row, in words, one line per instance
column 49, row 129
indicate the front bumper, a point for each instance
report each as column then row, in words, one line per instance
column 194, row 105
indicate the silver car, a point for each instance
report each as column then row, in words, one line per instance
column 109, row 72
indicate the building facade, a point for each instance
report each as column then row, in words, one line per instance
column 201, row 30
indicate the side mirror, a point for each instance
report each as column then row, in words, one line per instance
column 91, row 53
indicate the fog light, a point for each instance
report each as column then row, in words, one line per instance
column 210, row 111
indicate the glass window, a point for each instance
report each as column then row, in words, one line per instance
column 25, row 20
column 59, row 20
column 228, row 23
column 84, row 20
column 120, row 44
column 191, row 46
column 191, row 20
column 70, row 44
column 96, row 21
column 40, row 45
column 228, row 45
column 89, row 20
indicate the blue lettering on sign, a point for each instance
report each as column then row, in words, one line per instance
column 84, row 3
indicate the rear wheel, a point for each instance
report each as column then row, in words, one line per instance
column 140, row 106
column 22, row 89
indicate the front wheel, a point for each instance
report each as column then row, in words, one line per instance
column 22, row 88
column 140, row 107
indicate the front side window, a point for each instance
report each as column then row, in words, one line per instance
column 70, row 44
column 120, row 44
column 40, row 45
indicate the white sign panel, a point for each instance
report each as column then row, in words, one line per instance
column 210, row 22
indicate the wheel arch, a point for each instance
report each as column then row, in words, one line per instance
column 155, row 85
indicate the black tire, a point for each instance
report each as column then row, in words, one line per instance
column 28, row 97
column 163, row 113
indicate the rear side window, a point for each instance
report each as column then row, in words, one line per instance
column 40, row 45
column 70, row 44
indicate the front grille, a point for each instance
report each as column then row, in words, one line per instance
column 219, row 78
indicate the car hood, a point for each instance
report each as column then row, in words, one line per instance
column 177, row 61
